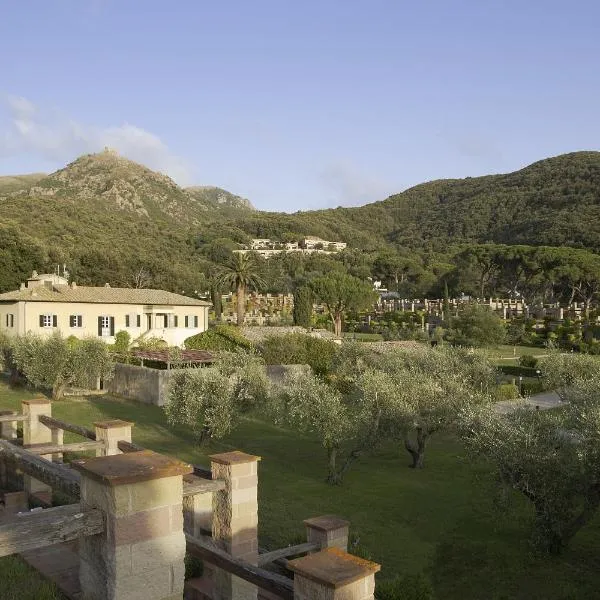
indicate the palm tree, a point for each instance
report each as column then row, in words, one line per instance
column 242, row 273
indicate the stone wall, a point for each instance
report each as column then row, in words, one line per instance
column 140, row 383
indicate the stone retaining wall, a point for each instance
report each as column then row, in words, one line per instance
column 140, row 383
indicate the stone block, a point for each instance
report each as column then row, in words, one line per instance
column 154, row 553
column 141, row 526
column 158, row 492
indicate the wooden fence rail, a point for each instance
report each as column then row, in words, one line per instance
column 275, row 555
column 53, row 474
column 47, row 527
column 13, row 417
column 205, row 549
column 53, row 423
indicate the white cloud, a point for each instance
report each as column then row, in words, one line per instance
column 54, row 137
column 349, row 186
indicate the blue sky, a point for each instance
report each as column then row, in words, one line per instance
column 299, row 105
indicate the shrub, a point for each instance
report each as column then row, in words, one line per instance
column 219, row 338
column 529, row 388
column 299, row 349
column 151, row 343
column 476, row 326
column 507, row 391
column 527, row 360
column 122, row 341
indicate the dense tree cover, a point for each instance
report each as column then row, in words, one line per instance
column 109, row 219
column 56, row 362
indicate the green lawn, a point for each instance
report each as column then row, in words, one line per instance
column 509, row 355
column 443, row 521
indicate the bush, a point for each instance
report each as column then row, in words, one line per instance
column 527, row 360
column 219, row 338
column 529, row 388
column 409, row 587
column 299, row 349
column 476, row 326
column 507, row 391
column 122, row 341
column 151, row 343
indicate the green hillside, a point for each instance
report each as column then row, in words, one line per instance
column 552, row 202
column 107, row 217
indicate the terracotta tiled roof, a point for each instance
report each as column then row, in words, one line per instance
column 100, row 295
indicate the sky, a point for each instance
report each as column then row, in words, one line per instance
column 299, row 105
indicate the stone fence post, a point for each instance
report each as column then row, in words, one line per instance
column 111, row 433
column 140, row 555
column 35, row 433
column 328, row 532
column 235, row 519
column 333, row 574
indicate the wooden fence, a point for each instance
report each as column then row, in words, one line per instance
column 136, row 514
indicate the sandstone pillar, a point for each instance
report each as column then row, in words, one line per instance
column 327, row 531
column 140, row 556
column 333, row 574
column 35, row 433
column 112, row 432
column 235, row 519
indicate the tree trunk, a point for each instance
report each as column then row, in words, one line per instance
column 58, row 389
column 333, row 477
column 416, row 450
column 337, row 325
column 241, row 305
column 215, row 296
column 204, row 436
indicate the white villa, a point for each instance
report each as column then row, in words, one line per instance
column 48, row 303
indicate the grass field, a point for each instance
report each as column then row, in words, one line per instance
column 443, row 522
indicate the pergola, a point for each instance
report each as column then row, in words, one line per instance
column 182, row 358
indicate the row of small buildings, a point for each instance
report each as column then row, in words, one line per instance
column 267, row 247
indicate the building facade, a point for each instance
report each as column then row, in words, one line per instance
column 48, row 303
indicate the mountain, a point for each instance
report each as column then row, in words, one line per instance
column 108, row 217
column 13, row 183
column 554, row 202
column 216, row 197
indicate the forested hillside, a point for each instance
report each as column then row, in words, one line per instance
column 110, row 220
column 552, row 202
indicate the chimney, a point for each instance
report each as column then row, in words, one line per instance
column 107, row 285
column 73, row 285
column 22, row 287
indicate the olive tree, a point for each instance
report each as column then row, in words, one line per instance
column 211, row 400
column 552, row 459
column 56, row 362
column 347, row 424
column 433, row 386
